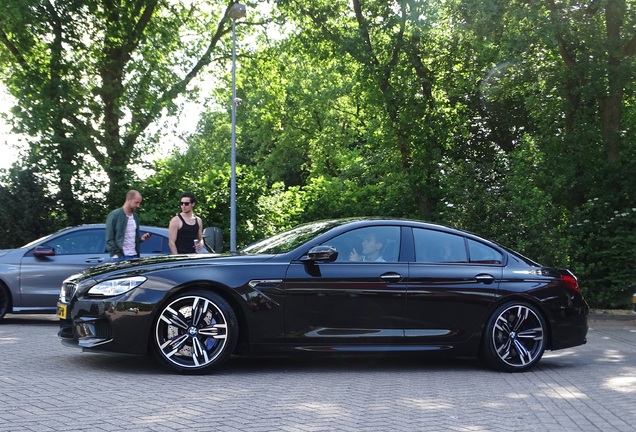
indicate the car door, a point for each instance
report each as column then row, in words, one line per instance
column 155, row 245
column 452, row 281
column 41, row 276
column 348, row 302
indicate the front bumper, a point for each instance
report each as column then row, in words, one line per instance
column 113, row 325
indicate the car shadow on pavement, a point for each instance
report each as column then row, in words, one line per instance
column 349, row 363
column 31, row 319
column 138, row 365
column 243, row 365
column 264, row 365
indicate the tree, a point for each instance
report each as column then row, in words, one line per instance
column 90, row 77
column 27, row 211
column 391, row 44
column 604, row 63
column 568, row 68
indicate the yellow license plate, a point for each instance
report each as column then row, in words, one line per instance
column 61, row 310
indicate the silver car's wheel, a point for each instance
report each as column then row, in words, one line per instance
column 515, row 338
column 195, row 332
column 4, row 301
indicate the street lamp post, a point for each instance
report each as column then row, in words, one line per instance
column 236, row 11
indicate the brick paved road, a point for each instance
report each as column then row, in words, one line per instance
column 47, row 387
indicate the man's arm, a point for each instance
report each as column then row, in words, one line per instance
column 200, row 234
column 173, row 227
column 111, row 242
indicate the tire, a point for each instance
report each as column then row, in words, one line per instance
column 4, row 301
column 515, row 338
column 195, row 332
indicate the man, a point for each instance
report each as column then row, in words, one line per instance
column 371, row 250
column 122, row 229
column 185, row 231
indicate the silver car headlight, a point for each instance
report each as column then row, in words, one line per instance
column 115, row 287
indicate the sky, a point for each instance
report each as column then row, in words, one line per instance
column 8, row 154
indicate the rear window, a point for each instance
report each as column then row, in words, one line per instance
column 440, row 247
column 483, row 254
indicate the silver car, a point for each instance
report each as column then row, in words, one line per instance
column 31, row 276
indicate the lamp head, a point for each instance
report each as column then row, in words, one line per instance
column 236, row 11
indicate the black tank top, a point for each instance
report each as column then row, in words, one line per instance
column 186, row 235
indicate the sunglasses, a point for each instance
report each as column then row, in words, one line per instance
column 182, row 203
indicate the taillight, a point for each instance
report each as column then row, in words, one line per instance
column 571, row 282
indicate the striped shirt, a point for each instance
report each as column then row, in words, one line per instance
column 129, row 237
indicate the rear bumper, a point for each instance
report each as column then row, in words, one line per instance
column 571, row 329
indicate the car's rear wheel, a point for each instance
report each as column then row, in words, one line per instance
column 515, row 338
column 195, row 332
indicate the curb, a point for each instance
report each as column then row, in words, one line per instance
column 627, row 316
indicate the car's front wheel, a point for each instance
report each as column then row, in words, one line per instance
column 195, row 332
column 4, row 301
column 514, row 338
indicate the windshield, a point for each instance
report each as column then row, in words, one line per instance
column 289, row 240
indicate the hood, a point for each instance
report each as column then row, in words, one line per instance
column 162, row 262
column 4, row 252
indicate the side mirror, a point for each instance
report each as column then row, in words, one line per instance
column 43, row 250
column 213, row 239
column 322, row 253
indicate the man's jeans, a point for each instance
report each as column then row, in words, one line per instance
column 124, row 258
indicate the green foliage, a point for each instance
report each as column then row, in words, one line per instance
column 27, row 212
column 90, row 77
column 605, row 237
column 500, row 197
column 281, row 208
column 511, row 119
column 472, row 134
column 176, row 175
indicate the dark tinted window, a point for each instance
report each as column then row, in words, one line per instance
column 439, row 247
column 483, row 254
column 79, row 242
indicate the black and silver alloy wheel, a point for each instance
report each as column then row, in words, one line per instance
column 195, row 332
column 515, row 338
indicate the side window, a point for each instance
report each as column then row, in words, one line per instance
column 439, row 247
column 155, row 245
column 80, row 242
column 373, row 244
column 482, row 254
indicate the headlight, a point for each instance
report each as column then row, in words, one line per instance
column 116, row 286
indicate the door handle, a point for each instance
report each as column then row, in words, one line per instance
column 94, row 260
column 485, row 278
column 391, row 277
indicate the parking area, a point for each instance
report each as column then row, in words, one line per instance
column 45, row 386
